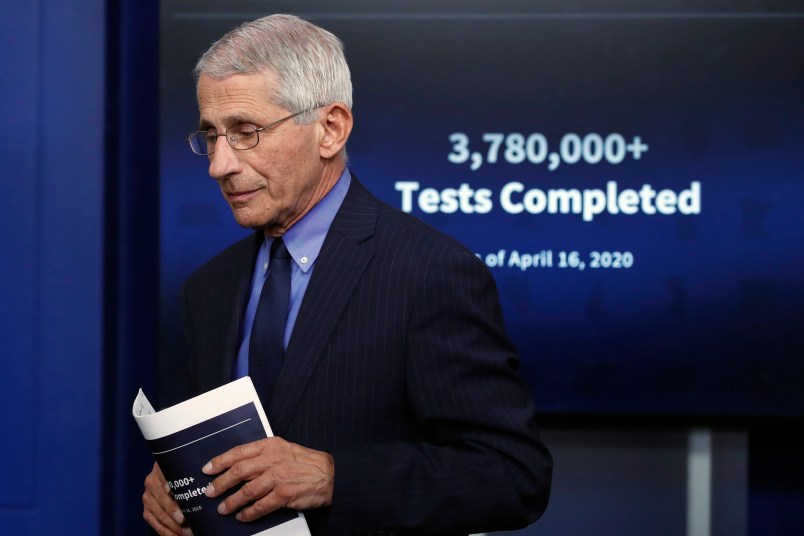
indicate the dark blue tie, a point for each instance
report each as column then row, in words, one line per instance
column 266, row 348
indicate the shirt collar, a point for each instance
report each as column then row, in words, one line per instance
column 305, row 238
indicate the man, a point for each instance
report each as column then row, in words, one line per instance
column 397, row 408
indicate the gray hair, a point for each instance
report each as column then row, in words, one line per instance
column 308, row 61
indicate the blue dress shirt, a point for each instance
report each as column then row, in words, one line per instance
column 304, row 241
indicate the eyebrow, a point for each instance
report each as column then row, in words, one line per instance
column 204, row 125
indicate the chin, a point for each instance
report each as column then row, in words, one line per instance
column 253, row 224
column 250, row 221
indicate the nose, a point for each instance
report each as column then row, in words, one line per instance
column 224, row 161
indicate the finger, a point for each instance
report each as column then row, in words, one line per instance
column 166, row 517
column 156, row 472
column 270, row 502
column 157, row 493
column 226, row 460
column 158, row 501
column 292, row 487
column 243, row 472
column 156, row 480
column 162, row 530
column 156, row 483
column 240, row 464
column 251, row 491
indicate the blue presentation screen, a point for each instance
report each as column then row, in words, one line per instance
column 632, row 177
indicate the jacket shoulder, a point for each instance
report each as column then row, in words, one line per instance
column 234, row 257
column 408, row 231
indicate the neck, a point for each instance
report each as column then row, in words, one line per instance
column 329, row 178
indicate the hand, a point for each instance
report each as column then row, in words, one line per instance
column 276, row 473
column 161, row 511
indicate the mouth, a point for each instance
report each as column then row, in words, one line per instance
column 240, row 197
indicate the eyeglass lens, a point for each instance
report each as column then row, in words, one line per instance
column 240, row 137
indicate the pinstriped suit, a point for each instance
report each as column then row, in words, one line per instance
column 399, row 366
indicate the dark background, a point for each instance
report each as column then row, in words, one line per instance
column 81, row 255
column 708, row 319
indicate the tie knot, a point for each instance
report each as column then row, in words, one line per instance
column 278, row 249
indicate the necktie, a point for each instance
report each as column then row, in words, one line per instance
column 266, row 348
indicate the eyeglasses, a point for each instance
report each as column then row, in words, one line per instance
column 241, row 137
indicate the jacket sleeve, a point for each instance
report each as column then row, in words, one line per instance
column 477, row 464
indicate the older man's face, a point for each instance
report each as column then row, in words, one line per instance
column 272, row 185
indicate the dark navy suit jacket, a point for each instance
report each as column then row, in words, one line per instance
column 399, row 366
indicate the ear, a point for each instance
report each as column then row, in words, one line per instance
column 337, row 125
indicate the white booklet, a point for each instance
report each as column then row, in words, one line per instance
column 184, row 437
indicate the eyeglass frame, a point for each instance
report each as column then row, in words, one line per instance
column 206, row 134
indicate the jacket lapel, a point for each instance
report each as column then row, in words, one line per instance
column 233, row 299
column 344, row 256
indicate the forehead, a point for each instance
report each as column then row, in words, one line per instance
column 239, row 97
